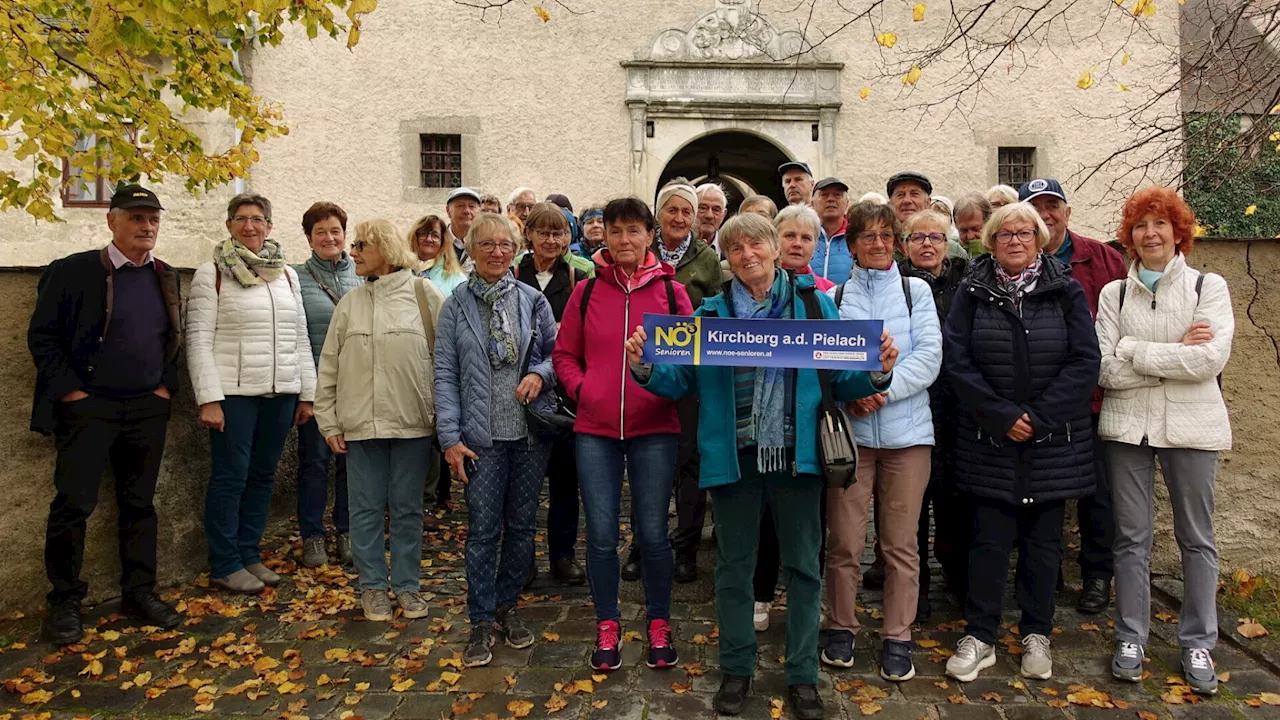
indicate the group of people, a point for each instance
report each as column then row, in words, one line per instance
column 501, row 348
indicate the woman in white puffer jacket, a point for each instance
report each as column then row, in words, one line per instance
column 251, row 366
column 1165, row 333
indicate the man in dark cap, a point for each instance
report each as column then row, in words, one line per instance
column 831, row 257
column 105, row 336
column 797, row 182
column 909, row 192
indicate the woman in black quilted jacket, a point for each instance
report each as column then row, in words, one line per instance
column 1022, row 356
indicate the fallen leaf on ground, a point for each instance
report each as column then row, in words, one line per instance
column 599, row 677
column 460, row 708
column 928, row 643
column 450, row 677
column 958, row 700
column 599, row 704
column 992, row 696
column 1270, row 698
column 1089, row 627
column 699, row 639
column 522, row 708
column 1147, row 715
column 554, row 704
column 404, row 684
column 680, row 688
column 1251, row 630
column 550, row 636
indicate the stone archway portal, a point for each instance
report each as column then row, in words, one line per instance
column 733, row 156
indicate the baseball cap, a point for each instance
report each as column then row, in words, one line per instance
column 561, row 200
column 1041, row 186
column 462, row 192
column 831, row 182
column 908, row 176
column 794, row 165
column 134, row 196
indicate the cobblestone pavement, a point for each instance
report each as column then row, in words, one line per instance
column 304, row 651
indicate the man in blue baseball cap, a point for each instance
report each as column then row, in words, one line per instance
column 1093, row 265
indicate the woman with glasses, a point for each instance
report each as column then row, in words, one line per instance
column 927, row 259
column 553, row 271
column 493, row 358
column 254, row 377
column 443, row 269
column 894, row 431
column 1023, row 360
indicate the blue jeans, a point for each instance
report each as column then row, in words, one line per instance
column 502, row 504
column 313, row 484
column 650, row 461
column 385, row 479
column 243, row 458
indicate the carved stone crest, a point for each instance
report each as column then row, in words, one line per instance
column 731, row 31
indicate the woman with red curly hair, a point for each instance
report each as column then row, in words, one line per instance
column 1165, row 333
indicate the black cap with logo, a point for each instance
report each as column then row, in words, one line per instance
column 134, row 196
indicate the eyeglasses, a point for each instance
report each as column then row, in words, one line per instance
column 922, row 238
column 433, row 236
column 489, row 247
column 359, row 245
column 549, row 234
column 885, row 238
column 524, row 207
column 1022, row 236
column 244, row 220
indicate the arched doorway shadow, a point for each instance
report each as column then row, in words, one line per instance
column 739, row 161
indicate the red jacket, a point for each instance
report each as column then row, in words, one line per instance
column 1094, row 265
column 590, row 360
column 819, row 282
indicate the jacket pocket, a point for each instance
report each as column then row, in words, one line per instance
column 1119, row 408
column 1195, row 415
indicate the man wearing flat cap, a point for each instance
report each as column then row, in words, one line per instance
column 909, row 193
column 105, row 336
column 797, row 182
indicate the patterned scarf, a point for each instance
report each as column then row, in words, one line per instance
column 768, row 419
column 503, row 302
column 1016, row 286
column 247, row 268
column 672, row 257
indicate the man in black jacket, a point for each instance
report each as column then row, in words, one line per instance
column 105, row 336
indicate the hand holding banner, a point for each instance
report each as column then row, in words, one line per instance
column 830, row 344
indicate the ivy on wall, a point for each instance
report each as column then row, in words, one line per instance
column 1231, row 176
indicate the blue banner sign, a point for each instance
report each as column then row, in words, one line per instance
column 831, row 344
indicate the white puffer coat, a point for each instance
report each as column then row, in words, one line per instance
column 1158, row 389
column 247, row 340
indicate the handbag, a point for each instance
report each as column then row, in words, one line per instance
column 837, row 451
column 559, row 422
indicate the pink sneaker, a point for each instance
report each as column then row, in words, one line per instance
column 661, row 652
column 608, row 652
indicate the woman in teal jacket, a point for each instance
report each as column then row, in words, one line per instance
column 758, row 439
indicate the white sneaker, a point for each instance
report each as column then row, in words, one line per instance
column 972, row 656
column 1037, row 661
column 760, row 619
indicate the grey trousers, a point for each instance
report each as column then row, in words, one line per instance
column 1189, row 475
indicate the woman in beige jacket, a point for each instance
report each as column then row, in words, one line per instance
column 1165, row 333
column 374, row 403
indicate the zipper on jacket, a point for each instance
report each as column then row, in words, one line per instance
column 626, row 364
column 373, row 353
column 274, row 340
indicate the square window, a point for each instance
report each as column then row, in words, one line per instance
column 441, row 161
column 1016, row 165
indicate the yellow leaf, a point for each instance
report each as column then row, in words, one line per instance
column 362, row 686
column 1251, row 630
column 912, row 75
column 680, row 688
column 450, row 677
column 264, row 664
column 520, row 708
column 94, row 668
column 509, row 680
column 1145, row 8
column 584, row 686
column 1122, row 87
column 75, row 693
column 110, row 636
column 599, row 677
column 917, row 12
column 599, row 704
column 928, row 643
column 554, row 704
column 864, row 93
column 869, row 708
column 550, row 636
column 699, row 639
column 1086, row 80
column 992, row 696
column 37, row 697
column 887, row 39
column 403, row 685
column 1124, row 59
column 142, row 679
column 542, row 13
column 1270, row 698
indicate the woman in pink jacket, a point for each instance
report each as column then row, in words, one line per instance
column 621, row 425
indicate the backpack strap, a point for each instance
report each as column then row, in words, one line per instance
column 1125, row 286
column 906, row 293
column 1199, row 287
column 586, row 298
column 424, row 310
column 671, row 294
column 217, row 281
column 839, row 294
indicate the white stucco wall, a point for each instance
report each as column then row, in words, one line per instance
column 543, row 104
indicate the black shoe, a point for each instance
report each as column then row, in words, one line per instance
column 873, row 578
column 1095, row 596
column 839, row 649
column 63, row 625
column 924, row 609
column 686, row 570
column 631, row 568
column 567, row 570
column 805, row 703
column 732, row 694
column 895, row 661
column 149, row 608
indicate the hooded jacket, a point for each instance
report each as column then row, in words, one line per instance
column 590, row 359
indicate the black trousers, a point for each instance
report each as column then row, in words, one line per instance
column 562, row 490
column 95, row 431
column 691, row 501
column 768, row 559
column 1097, row 524
column 952, row 522
column 1036, row 530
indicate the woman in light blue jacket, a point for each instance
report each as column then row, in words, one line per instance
column 894, row 432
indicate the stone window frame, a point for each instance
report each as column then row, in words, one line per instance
column 102, row 190
column 466, row 128
column 991, row 142
column 1006, row 162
